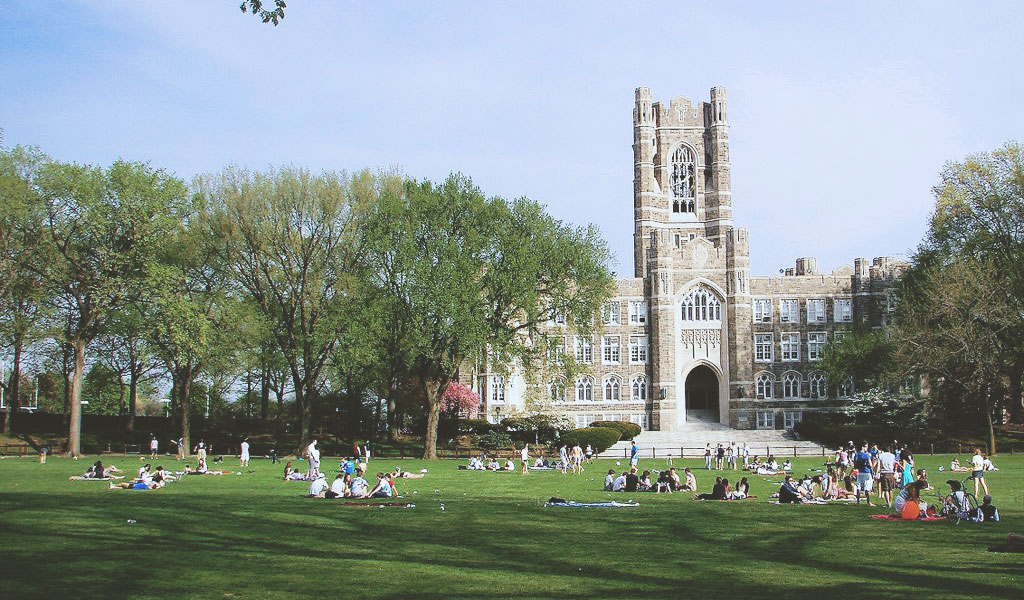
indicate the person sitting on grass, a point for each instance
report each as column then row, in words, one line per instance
column 644, row 485
column 788, row 493
column 989, row 513
column 691, row 481
column 987, row 464
column 957, row 499
column 338, row 487
column 509, row 465
column 493, row 465
column 620, row 483
column 609, row 480
column 632, row 481
column 787, row 465
column 677, row 484
column 318, row 488
column 848, row 490
column 956, row 467
column 910, row 493
column 664, row 483
column 383, row 487
column 922, row 475
column 359, row 487
column 742, row 490
column 162, row 475
column 539, row 463
column 720, row 491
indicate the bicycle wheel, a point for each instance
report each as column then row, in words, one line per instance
column 971, row 504
column 952, row 515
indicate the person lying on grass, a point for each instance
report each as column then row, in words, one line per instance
column 400, row 474
column 956, row 467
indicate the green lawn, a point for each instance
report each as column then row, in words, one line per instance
column 255, row 536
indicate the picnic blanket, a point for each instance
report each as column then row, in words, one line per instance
column 80, row 478
column 571, row 504
column 899, row 518
column 381, row 504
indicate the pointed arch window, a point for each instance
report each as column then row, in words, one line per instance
column 584, row 389
column 639, row 388
column 818, row 384
column 791, row 385
column 612, row 387
column 701, row 304
column 765, row 382
column 557, row 390
column 683, row 179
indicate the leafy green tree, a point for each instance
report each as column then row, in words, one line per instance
column 864, row 356
column 292, row 242
column 979, row 220
column 272, row 15
column 103, row 227
column 104, row 390
column 23, row 298
column 124, row 349
column 472, row 275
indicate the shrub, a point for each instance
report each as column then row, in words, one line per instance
column 601, row 438
column 474, row 426
column 626, row 429
column 495, row 440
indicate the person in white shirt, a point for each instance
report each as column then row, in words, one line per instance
column 313, row 456
column 619, row 484
column 988, row 465
column 383, row 488
column 887, row 475
column 154, row 445
column 244, row 458
column 609, row 480
column 359, row 486
column 338, row 487
column 525, row 456
column 978, row 471
column 318, row 487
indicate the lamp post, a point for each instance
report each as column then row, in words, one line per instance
column 167, row 406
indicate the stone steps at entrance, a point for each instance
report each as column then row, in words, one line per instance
column 692, row 437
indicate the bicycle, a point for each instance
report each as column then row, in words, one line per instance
column 959, row 505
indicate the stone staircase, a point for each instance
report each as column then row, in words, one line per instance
column 690, row 440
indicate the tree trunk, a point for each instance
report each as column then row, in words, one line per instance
column 304, row 404
column 990, row 430
column 393, row 428
column 14, row 387
column 1016, row 403
column 75, row 425
column 433, row 394
column 67, row 383
column 184, row 383
column 264, row 394
column 133, row 398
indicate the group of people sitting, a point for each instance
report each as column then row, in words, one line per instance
column 722, row 490
column 986, row 465
column 349, row 485
column 667, row 481
column 768, row 466
column 483, row 463
column 146, row 479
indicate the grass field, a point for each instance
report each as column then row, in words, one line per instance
column 255, row 536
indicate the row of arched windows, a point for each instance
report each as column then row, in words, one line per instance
column 793, row 383
column 610, row 390
column 701, row 304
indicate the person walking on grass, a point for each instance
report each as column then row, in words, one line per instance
column 563, row 455
column 978, row 472
column 154, row 445
column 525, row 455
column 634, row 454
column 244, row 455
column 577, row 459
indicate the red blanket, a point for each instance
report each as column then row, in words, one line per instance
column 899, row 518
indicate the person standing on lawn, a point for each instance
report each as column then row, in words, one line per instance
column 525, row 455
column 563, row 455
column 244, row 454
column 863, row 462
column 978, row 471
column 634, row 454
column 887, row 472
column 154, row 445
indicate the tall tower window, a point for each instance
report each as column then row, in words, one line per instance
column 701, row 305
column 683, row 180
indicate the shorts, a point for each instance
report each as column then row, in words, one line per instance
column 887, row 482
column 977, row 474
column 865, row 482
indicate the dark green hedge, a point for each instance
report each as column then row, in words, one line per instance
column 626, row 429
column 601, row 438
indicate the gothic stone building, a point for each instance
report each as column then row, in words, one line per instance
column 692, row 335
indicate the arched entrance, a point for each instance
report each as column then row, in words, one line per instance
column 702, row 395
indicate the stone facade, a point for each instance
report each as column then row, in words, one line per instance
column 693, row 335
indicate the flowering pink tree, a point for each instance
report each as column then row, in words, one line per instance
column 461, row 399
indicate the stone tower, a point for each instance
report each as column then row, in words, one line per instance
column 691, row 257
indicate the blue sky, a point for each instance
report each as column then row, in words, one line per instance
column 842, row 115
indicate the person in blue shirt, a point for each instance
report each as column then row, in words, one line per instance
column 634, row 452
column 864, row 463
column 348, row 466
